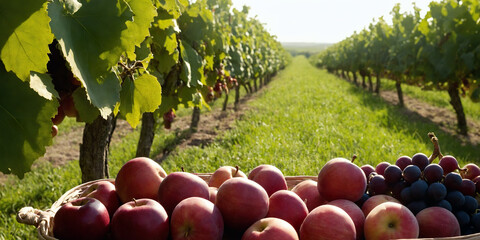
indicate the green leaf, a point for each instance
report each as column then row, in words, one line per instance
column 43, row 85
column 144, row 94
column 90, row 40
column 138, row 29
column 86, row 111
column 26, row 125
column 25, row 37
column 192, row 66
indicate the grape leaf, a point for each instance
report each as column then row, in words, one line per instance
column 43, row 85
column 86, row 111
column 91, row 43
column 144, row 94
column 25, row 125
column 192, row 66
column 25, row 37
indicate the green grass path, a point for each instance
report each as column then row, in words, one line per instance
column 302, row 119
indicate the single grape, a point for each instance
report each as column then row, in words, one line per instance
column 397, row 189
column 453, row 181
column 449, row 164
column 403, row 161
column 433, row 173
column 475, row 221
column 418, row 190
column 456, row 199
column 406, row 195
column 462, row 217
column 377, row 185
column 380, row 168
column 445, row 204
column 367, row 169
column 470, row 204
column 468, row 187
column 417, row 206
column 436, row 191
column 420, row 160
column 392, row 174
column 411, row 173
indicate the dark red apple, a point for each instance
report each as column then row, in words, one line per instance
column 242, row 202
column 355, row 213
column 339, row 178
column 437, row 222
column 212, row 194
column 287, row 205
column 139, row 178
column 82, row 218
column 307, row 190
column 327, row 222
column 105, row 192
column 376, row 200
column 270, row 229
column 140, row 219
column 178, row 186
column 269, row 177
column 196, row 218
column 224, row 173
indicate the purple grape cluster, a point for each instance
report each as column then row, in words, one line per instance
column 419, row 184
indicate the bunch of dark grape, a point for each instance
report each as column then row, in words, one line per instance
column 168, row 118
column 419, row 183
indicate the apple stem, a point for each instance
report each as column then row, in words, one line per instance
column 237, row 168
column 436, row 148
column 135, row 201
column 354, row 157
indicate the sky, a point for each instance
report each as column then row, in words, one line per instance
column 322, row 21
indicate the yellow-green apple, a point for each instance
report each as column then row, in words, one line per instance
column 390, row 220
column 224, row 173
column 269, row 177
column 242, row 202
column 354, row 212
column 82, row 218
column 212, row 194
column 339, row 178
column 376, row 200
column 436, row 222
column 307, row 190
column 105, row 192
column 287, row 205
column 270, row 228
column 196, row 218
column 177, row 186
column 140, row 219
column 328, row 222
column 139, row 178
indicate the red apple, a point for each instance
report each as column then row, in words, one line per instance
column 140, row 219
column 287, row 205
column 390, row 220
column 470, row 171
column 341, row 179
column 139, row 178
column 269, row 177
column 224, row 173
column 196, row 218
column 376, row 200
column 307, row 190
column 242, row 202
column 436, row 222
column 327, row 222
column 178, row 186
column 354, row 212
column 212, row 194
column 270, row 229
column 105, row 192
column 367, row 169
column 82, row 218
column 380, row 168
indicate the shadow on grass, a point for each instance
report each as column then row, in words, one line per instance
column 413, row 123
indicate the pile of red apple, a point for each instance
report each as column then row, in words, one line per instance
column 146, row 203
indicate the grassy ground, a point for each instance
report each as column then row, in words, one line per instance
column 304, row 118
